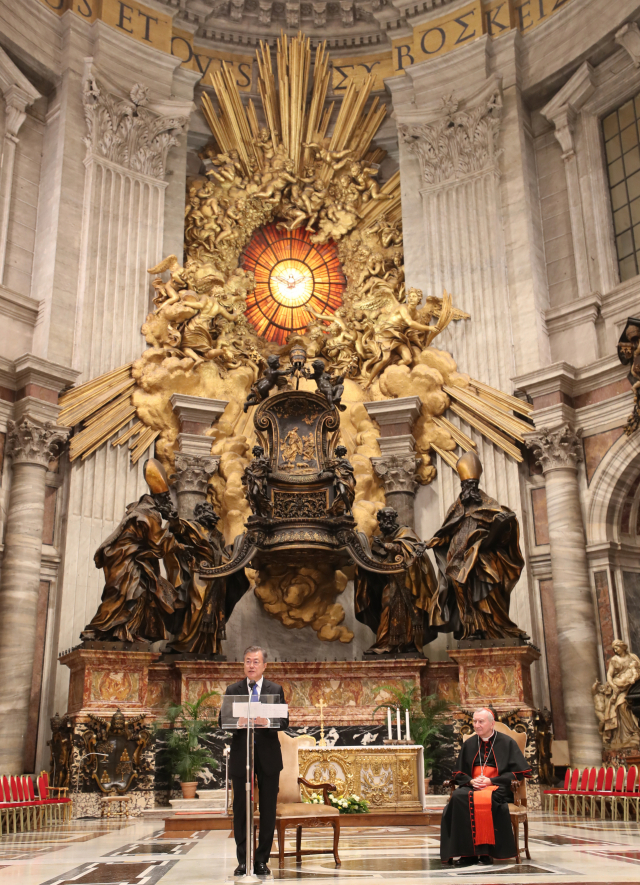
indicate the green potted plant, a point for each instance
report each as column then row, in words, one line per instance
column 185, row 755
column 427, row 721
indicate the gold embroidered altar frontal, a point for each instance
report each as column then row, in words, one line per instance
column 390, row 778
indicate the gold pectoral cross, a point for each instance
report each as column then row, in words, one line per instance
column 322, row 705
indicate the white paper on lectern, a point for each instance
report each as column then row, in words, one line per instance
column 258, row 710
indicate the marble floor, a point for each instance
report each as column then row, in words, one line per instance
column 88, row 852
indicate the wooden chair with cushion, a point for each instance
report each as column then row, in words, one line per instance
column 293, row 813
column 517, row 808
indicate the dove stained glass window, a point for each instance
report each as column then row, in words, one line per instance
column 293, row 277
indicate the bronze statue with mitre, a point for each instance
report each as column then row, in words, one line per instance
column 210, row 601
column 479, row 562
column 138, row 603
column 395, row 605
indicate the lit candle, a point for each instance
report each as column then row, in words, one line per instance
column 407, row 735
column 398, row 722
column 389, row 723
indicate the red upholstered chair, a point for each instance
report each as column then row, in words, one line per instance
column 605, row 790
column 588, row 793
column 583, row 787
column 573, row 786
column 61, row 805
column 630, row 793
column 618, row 788
column 550, row 795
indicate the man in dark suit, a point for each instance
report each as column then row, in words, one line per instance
column 267, row 763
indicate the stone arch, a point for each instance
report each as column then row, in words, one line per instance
column 609, row 488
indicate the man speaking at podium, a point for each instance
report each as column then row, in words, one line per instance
column 267, row 763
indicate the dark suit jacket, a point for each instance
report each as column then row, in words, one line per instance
column 268, row 755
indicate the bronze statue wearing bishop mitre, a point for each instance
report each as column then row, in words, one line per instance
column 478, row 556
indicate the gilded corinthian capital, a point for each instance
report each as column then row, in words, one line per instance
column 30, row 442
column 555, row 449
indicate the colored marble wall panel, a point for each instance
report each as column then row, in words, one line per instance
column 597, row 446
column 632, row 598
column 540, row 519
column 604, row 614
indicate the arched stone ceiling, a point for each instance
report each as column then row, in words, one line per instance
column 344, row 24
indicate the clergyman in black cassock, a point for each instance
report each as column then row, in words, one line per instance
column 464, row 821
column 267, row 766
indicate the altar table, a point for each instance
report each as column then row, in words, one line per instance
column 390, row 777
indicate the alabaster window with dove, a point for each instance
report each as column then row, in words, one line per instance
column 294, row 279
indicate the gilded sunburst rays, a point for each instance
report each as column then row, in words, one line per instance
column 293, row 276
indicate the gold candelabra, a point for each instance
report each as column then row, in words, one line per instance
column 321, row 705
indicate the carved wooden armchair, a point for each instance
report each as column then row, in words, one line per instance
column 517, row 808
column 292, row 812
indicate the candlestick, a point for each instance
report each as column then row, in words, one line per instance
column 389, row 723
column 398, row 723
column 321, row 705
column 407, row 734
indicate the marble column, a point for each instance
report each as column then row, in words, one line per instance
column 192, row 473
column 558, row 452
column 32, row 446
column 398, row 464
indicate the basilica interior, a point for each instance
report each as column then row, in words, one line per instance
column 320, row 334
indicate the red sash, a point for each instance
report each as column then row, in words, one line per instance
column 481, row 816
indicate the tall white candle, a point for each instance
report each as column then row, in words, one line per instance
column 389, row 723
column 398, row 722
column 407, row 735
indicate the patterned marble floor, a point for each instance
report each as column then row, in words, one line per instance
column 135, row 853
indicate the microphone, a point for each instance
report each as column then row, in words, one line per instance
column 252, row 685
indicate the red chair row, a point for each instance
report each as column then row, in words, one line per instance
column 20, row 805
column 597, row 785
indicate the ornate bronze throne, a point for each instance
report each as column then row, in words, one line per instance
column 296, row 515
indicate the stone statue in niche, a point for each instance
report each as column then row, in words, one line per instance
column 254, row 479
column 629, row 355
column 209, row 601
column 479, row 562
column 617, row 723
column 396, row 605
column 344, row 482
column 114, row 750
column 138, row 603
column 61, row 751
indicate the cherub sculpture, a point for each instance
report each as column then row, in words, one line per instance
column 397, row 329
column 331, row 388
column 255, row 477
column 273, row 376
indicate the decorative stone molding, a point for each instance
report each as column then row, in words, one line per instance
column 563, row 108
column 629, row 38
column 462, row 142
column 200, row 410
column 18, row 93
column 31, row 443
column 193, row 472
column 127, row 131
column 397, row 472
column 555, row 449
